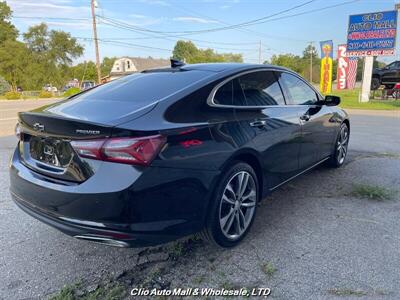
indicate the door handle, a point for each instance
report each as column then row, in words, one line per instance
column 259, row 123
column 305, row 117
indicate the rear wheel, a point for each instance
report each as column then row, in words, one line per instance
column 234, row 206
column 375, row 83
column 340, row 152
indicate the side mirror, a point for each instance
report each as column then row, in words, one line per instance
column 386, row 68
column 331, row 100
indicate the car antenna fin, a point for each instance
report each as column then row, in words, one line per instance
column 176, row 63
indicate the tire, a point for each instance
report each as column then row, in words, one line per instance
column 396, row 94
column 339, row 152
column 375, row 83
column 231, row 216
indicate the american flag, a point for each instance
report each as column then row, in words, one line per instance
column 351, row 77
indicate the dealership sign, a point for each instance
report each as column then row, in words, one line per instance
column 372, row 34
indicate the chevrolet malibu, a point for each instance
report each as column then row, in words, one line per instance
column 170, row 152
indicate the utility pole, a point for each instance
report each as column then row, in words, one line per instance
column 311, row 62
column 96, row 42
column 259, row 53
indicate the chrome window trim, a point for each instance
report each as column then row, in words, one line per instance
column 210, row 98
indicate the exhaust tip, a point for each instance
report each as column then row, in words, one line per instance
column 103, row 240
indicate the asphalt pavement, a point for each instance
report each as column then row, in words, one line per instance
column 312, row 238
column 10, row 108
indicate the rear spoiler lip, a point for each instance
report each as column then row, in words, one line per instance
column 67, row 128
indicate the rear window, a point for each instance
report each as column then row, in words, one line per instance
column 143, row 88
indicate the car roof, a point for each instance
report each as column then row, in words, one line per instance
column 220, row 67
column 217, row 68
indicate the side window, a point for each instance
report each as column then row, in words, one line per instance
column 260, row 89
column 224, row 95
column 393, row 65
column 298, row 92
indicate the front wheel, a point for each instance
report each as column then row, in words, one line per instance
column 340, row 151
column 233, row 207
column 375, row 83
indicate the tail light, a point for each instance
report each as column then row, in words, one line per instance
column 135, row 151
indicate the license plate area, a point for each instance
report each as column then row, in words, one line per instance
column 50, row 151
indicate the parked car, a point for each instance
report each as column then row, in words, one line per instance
column 165, row 153
column 50, row 88
column 87, row 85
column 387, row 76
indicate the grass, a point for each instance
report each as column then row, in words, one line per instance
column 268, row 268
column 346, row 292
column 66, row 293
column 372, row 192
column 115, row 292
column 227, row 285
column 349, row 99
column 109, row 292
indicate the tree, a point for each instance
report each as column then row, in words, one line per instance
column 310, row 49
column 7, row 30
column 84, row 71
column 291, row 61
column 107, row 65
column 63, row 48
column 187, row 51
column 56, row 46
column 53, row 52
column 4, row 86
column 14, row 59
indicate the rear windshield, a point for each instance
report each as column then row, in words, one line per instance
column 143, row 88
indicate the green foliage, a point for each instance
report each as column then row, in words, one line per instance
column 107, row 65
column 187, row 51
column 291, row 61
column 346, row 292
column 12, row 95
column 7, row 30
column 14, row 62
column 372, row 192
column 45, row 94
column 71, row 91
column 84, row 71
column 349, row 99
column 310, row 49
column 268, row 268
column 4, row 86
column 56, row 46
column 66, row 293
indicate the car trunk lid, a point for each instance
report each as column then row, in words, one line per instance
column 45, row 145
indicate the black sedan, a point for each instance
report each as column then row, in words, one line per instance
column 166, row 153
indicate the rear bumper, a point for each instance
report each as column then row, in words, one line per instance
column 157, row 205
column 91, row 233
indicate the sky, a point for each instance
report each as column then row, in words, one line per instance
column 283, row 32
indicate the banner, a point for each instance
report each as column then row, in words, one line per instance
column 346, row 70
column 326, row 66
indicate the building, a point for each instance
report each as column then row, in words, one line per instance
column 128, row 65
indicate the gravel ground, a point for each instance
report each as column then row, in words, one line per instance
column 312, row 239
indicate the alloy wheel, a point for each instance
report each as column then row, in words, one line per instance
column 342, row 144
column 237, row 205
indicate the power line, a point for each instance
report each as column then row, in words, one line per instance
column 235, row 26
column 243, row 24
column 51, row 18
column 131, row 45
